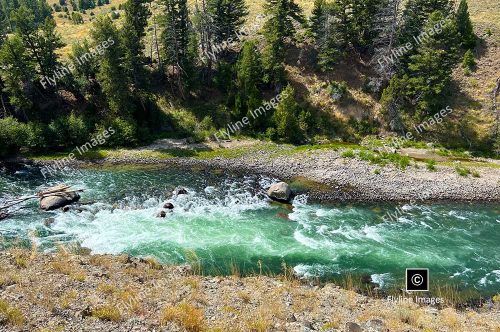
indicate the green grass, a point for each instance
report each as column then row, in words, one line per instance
column 462, row 171
column 431, row 165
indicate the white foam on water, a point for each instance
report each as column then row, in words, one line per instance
column 381, row 279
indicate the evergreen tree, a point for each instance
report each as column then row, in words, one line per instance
column 17, row 72
column 464, row 26
column 286, row 117
column 227, row 17
column 179, row 43
column 429, row 70
column 111, row 74
column 319, row 15
column 41, row 41
column 416, row 14
column 364, row 21
column 133, row 31
column 248, row 79
column 280, row 26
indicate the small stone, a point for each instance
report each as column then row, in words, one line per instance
column 352, row 327
column 65, row 209
column 375, row 325
column 162, row 214
column 87, row 312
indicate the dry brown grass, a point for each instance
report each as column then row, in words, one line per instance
column 13, row 316
column 185, row 315
column 107, row 312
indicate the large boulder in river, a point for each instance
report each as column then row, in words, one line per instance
column 58, row 200
column 280, row 192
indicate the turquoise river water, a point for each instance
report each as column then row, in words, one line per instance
column 226, row 220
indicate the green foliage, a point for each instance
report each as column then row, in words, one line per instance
column 76, row 18
column 349, row 153
column 431, row 165
column 280, row 25
column 136, row 20
column 462, row 171
column 111, row 74
column 464, row 26
column 468, row 61
column 337, row 90
column 12, row 136
column 227, row 18
column 125, row 132
column 248, row 79
column 286, row 117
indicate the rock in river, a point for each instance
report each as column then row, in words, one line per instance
column 169, row 206
column 58, row 200
column 280, row 192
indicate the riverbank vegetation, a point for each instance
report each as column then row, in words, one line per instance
column 168, row 68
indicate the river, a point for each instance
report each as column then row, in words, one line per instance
column 227, row 223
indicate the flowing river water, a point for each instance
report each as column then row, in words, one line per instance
column 227, row 222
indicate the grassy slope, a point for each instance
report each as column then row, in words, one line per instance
column 474, row 99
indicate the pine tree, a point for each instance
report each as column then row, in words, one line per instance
column 429, row 70
column 416, row 14
column 133, row 31
column 464, row 26
column 319, row 15
column 41, row 41
column 248, row 79
column 227, row 17
column 280, row 26
column 178, row 41
column 364, row 22
column 286, row 117
column 111, row 74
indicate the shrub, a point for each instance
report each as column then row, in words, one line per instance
column 337, row 90
column 462, row 171
column 431, row 165
column 12, row 136
column 286, row 117
column 125, row 132
column 348, row 154
column 468, row 61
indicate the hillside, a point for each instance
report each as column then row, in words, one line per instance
column 472, row 92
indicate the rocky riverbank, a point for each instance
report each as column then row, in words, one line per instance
column 67, row 292
column 331, row 175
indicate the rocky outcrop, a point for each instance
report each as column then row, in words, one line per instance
column 58, row 200
column 280, row 192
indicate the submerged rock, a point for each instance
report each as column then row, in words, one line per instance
column 3, row 215
column 161, row 214
column 280, row 192
column 58, row 201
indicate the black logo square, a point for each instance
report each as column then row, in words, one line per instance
column 417, row 280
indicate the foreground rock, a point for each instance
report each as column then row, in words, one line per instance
column 58, row 200
column 280, row 192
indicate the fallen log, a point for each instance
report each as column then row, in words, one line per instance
column 52, row 198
